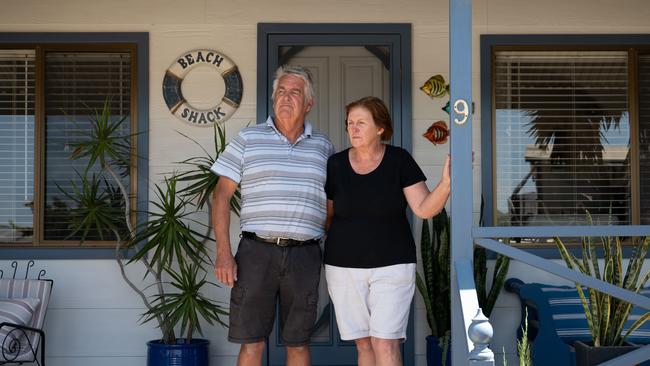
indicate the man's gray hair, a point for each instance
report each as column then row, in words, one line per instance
column 297, row 71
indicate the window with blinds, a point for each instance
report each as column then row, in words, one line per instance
column 17, row 103
column 562, row 137
column 77, row 84
column 44, row 111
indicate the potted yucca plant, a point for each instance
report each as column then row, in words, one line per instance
column 170, row 244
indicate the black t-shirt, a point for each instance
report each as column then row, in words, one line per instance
column 370, row 228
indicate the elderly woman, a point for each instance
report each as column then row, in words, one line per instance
column 370, row 251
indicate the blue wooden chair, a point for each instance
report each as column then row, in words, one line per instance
column 556, row 319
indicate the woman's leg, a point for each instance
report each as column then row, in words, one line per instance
column 366, row 356
column 386, row 351
column 389, row 302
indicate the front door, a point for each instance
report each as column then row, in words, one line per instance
column 341, row 75
column 347, row 62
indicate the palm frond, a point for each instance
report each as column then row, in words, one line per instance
column 96, row 212
column 201, row 179
column 185, row 304
column 103, row 142
column 167, row 237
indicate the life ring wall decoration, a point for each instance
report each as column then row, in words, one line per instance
column 181, row 108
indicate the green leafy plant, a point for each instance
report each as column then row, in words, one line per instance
column 166, row 237
column 167, row 243
column 523, row 346
column 435, row 285
column 187, row 304
column 95, row 207
column 104, row 142
column 606, row 315
column 202, row 181
column 487, row 298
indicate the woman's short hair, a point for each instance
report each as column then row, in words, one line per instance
column 379, row 113
column 297, row 71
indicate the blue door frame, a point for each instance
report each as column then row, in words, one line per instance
column 397, row 37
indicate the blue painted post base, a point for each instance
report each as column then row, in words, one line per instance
column 434, row 352
column 182, row 353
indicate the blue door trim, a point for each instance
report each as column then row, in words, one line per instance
column 271, row 36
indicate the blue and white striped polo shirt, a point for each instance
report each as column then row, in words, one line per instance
column 282, row 184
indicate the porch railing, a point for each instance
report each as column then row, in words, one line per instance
column 483, row 237
column 464, row 299
column 477, row 353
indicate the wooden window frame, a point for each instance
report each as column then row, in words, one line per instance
column 635, row 44
column 137, row 45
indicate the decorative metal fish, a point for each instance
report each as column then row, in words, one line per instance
column 435, row 87
column 437, row 133
column 447, row 107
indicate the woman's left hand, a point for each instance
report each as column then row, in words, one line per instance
column 446, row 170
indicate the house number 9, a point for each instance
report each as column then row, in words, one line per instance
column 460, row 108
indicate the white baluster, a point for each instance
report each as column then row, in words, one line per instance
column 480, row 333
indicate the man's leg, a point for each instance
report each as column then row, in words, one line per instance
column 298, row 301
column 298, row 356
column 250, row 354
column 252, row 300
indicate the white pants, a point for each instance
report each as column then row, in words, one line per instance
column 372, row 301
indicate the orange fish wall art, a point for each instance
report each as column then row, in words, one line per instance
column 437, row 133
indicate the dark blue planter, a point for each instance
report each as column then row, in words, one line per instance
column 434, row 352
column 588, row 355
column 182, row 353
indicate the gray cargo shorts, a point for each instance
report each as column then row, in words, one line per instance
column 265, row 273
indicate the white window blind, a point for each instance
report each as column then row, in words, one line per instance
column 562, row 137
column 77, row 84
column 17, row 102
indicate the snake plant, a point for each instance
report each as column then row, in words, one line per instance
column 434, row 284
column 606, row 315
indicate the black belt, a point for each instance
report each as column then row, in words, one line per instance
column 282, row 242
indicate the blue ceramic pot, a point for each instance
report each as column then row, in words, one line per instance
column 182, row 353
column 434, row 352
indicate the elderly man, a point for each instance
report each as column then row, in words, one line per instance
column 281, row 166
